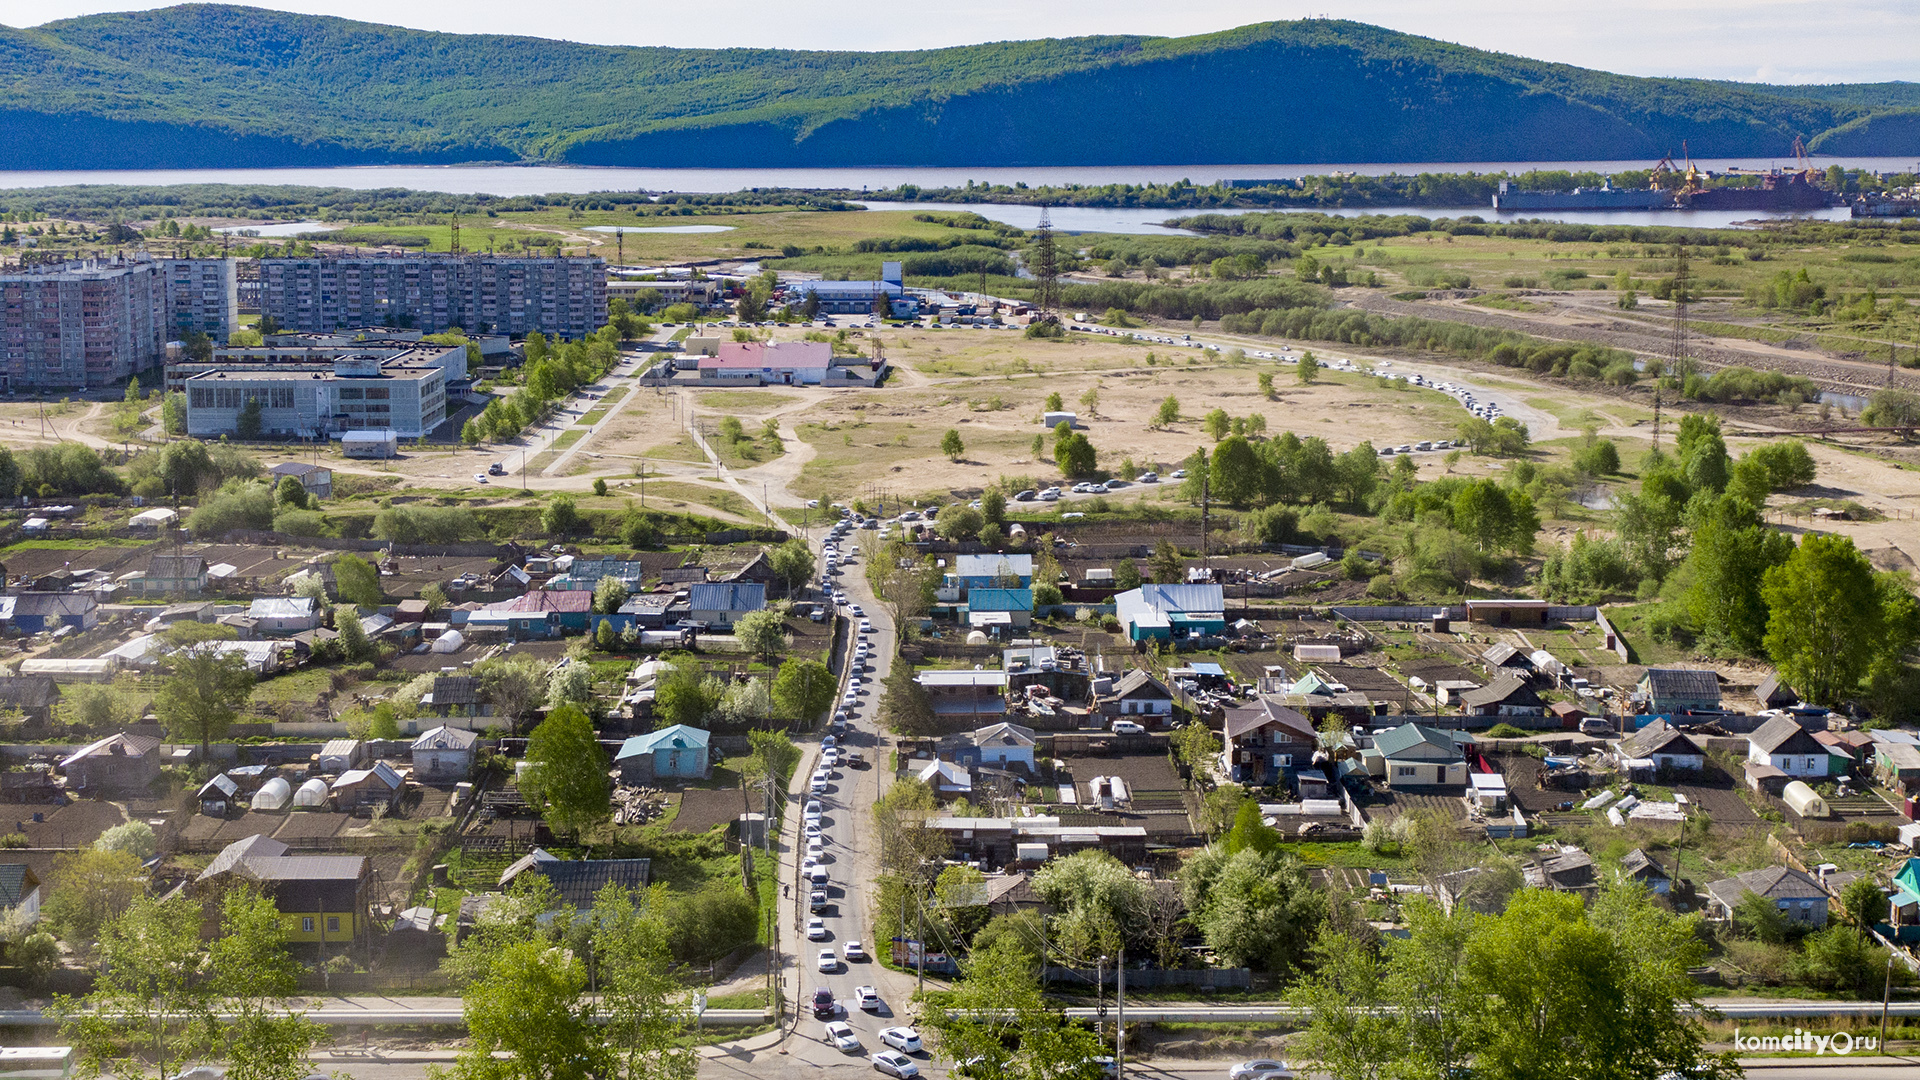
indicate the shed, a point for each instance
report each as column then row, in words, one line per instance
column 370, row 443
column 370, row 788
column 1508, row 612
column 1672, row 690
column 217, row 796
column 1051, row 419
column 1775, row 694
column 578, row 881
column 339, row 755
column 677, row 753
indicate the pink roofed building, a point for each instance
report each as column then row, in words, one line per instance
column 784, row 363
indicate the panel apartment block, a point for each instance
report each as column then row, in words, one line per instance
column 203, row 296
column 482, row 294
column 81, row 325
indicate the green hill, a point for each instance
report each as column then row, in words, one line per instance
column 211, row 85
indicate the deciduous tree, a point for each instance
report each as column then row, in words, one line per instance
column 567, row 771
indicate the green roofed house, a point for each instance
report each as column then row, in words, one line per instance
column 1415, row 755
column 673, row 753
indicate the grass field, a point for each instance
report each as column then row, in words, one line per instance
column 669, row 495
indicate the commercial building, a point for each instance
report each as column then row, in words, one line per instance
column 356, row 393
column 309, row 357
column 559, row 296
column 81, row 325
column 756, row 363
column 203, row 295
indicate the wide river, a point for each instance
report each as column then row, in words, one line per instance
column 549, row 179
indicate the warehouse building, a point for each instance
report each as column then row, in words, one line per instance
column 862, row 297
column 500, row 294
column 356, row 393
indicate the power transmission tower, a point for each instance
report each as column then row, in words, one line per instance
column 1682, row 362
column 1656, row 417
column 453, row 241
column 1046, row 269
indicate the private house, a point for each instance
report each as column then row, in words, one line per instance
column 1137, row 694
column 317, row 479
column 1502, row 655
column 171, row 575
column 1659, row 748
column 32, row 695
column 721, row 604
column 1266, row 740
column 1798, row 896
column 444, row 754
column 1507, row 612
column 120, row 765
column 367, row 789
column 1171, row 612
column 960, row 696
column 989, row 606
column 1638, row 866
column 1782, row 743
column 43, row 612
column 1507, row 690
column 1004, row 746
column 1679, row 690
column 1415, row 755
column 455, row 696
column 323, row 900
column 20, row 890
column 284, row 615
column 992, row 571
column 1774, row 694
column 946, row 779
column 578, row 881
column 672, row 753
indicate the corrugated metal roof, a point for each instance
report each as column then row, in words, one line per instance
column 728, row 596
column 679, row 736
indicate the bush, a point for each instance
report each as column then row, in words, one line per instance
column 249, row 506
column 427, row 525
column 1506, row 731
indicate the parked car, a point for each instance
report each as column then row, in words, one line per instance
column 817, row 900
column 823, row 1003
column 1025, row 496
column 841, row 1036
column 1127, row 727
column 894, row 1064
column 1260, row 1069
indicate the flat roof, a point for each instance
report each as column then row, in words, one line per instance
column 245, row 373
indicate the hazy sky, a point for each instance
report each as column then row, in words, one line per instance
column 1765, row 40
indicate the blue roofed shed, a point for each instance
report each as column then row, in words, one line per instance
column 1015, row 604
column 1170, row 612
column 673, row 753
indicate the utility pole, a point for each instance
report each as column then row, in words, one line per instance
column 1120, row 1016
column 1656, row 414
column 1205, row 507
column 1886, row 996
column 1100, row 996
column 921, row 987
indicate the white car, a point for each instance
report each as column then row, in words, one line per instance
column 894, row 1064
column 868, row 997
column 816, row 929
column 1260, row 1069
column 817, row 900
column 853, row 952
column 813, row 831
column 819, row 782
column 906, row 1040
column 828, row 961
column 479, row 478
column 855, row 608
column 1127, row 727
column 815, row 851
column 866, row 626
column 814, row 809
column 842, row 1037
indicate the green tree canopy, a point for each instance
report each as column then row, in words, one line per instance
column 567, row 771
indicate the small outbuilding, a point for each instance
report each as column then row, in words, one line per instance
column 444, row 753
column 1805, row 801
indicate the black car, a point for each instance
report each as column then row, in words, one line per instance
column 823, row 1004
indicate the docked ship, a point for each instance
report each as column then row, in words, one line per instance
column 1777, row 191
column 1604, row 197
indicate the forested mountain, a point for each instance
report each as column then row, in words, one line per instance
column 212, row 85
